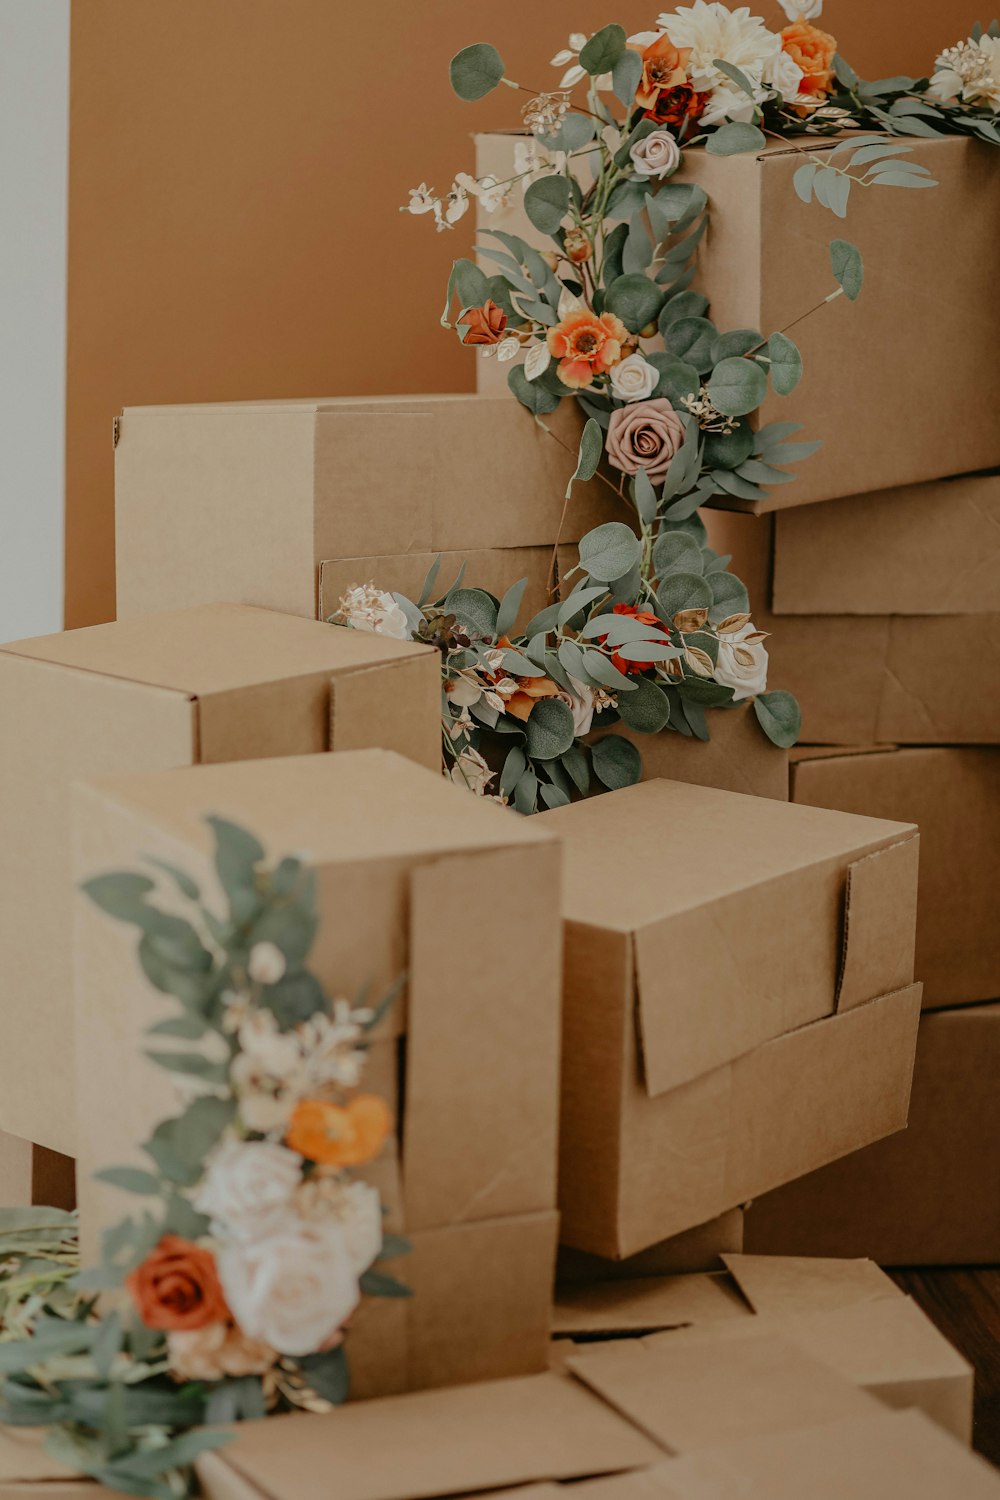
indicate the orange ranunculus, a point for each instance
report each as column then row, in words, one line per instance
column 586, row 345
column 664, row 66
column 678, row 106
column 177, row 1287
column 485, row 325
column 814, row 52
column 337, row 1136
column 644, row 617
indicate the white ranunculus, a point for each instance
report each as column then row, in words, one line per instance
column 292, row 1290
column 367, row 608
column 656, row 154
column 634, row 378
column 786, row 75
column 802, row 10
column 742, row 663
column 248, row 1188
column 266, row 964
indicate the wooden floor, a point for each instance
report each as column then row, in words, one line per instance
column 965, row 1305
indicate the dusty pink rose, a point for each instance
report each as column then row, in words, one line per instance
column 645, row 435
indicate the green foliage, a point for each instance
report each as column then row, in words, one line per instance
column 604, row 49
column 476, row 71
column 635, row 299
column 737, row 386
column 735, row 139
column 546, row 203
column 616, row 761
column 609, row 551
column 848, row 268
column 779, row 716
column 589, row 455
column 549, row 729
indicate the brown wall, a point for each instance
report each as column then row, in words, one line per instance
column 236, row 168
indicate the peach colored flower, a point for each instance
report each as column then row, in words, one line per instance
column 814, row 51
column 530, row 690
column 177, row 1287
column 586, row 345
column 484, row 325
column 664, row 67
column 339, row 1136
column 644, row 435
column 216, row 1350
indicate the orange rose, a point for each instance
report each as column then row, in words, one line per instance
column 586, row 345
column 644, row 617
column 678, row 106
column 485, row 324
column 340, row 1137
column 664, row 66
column 814, row 51
column 177, row 1287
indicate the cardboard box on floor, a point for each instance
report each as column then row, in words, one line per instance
column 927, row 1196
column 866, row 679
column 764, row 262
column 249, row 501
column 216, row 683
column 398, row 852
column 738, row 1002
column 698, row 1249
column 953, row 795
column 846, row 1314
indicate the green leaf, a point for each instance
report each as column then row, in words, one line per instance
column 589, row 455
column 237, row 855
column 676, row 552
column 190, row 1028
column 617, row 763
column 609, row 551
column 848, row 267
column 706, row 694
column 603, row 50
column 549, row 729
column 475, row 71
column 472, row 286
column 735, row 343
column 737, row 75
column 786, row 364
column 727, row 450
column 647, row 709
column 737, row 386
column 729, row 597
column 626, row 74
column 239, row 1400
column 553, row 796
column 899, row 178
column 845, row 73
column 181, row 878
column 473, row 608
column 577, row 768
column 179, row 1146
column 832, row 189
column 526, row 793
column 130, row 1179
column 677, row 378
column 381, row 1284
column 644, row 497
column 780, row 717
column 803, row 179
column 577, row 601
column 514, row 768
column 600, row 669
column 680, row 591
column 546, row 203
column 575, row 131
column 328, row 1375
column 121, row 895
column 49, row 1340
column 538, row 398
column 633, row 298
column 734, row 139
column 683, row 305
column 692, row 340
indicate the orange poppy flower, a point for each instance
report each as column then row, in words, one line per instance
column 664, row 66
column 485, row 325
column 814, row 51
column 337, row 1136
column 586, row 345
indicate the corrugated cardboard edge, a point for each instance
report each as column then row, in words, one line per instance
column 880, row 924
column 396, row 706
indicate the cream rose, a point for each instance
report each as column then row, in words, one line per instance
column 634, row 378
column 786, row 76
column 645, row 435
column 358, row 1213
column 802, row 10
column 248, row 1187
column 656, row 155
column 742, row 663
column 582, row 706
column 292, row 1290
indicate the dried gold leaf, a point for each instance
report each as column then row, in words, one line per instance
column 699, row 660
column 745, row 658
column 733, row 622
column 690, row 619
column 758, row 635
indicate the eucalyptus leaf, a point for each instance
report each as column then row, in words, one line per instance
column 786, row 363
column 848, row 267
column 737, row 386
column 676, row 552
column 476, row 71
column 473, row 608
column 603, row 50
column 682, row 591
column 589, row 455
column 546, row 203
column 692, row 340
column 779, row 716
column 634, row 299
column 729, row 597
column 609, row 551
column 531, row 393
column 626, row 75
column 549, row 729
column 647, row 709
column 735, row 139
column 616, row 761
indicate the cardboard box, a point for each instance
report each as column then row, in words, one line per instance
column 34, row 1175
column 698, row 1249
column 246, row 502
column 878, row 678
column 929, row 1195
column 217, row 683
column 845, row 1314
column 764, row 262
column 27, row 1472
column 953, row 795
column 397, row 851
column 738, row 1002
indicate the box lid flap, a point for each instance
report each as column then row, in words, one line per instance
column 786, row 1284
column 646, row 1302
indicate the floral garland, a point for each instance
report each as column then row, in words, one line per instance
column 237, row 1290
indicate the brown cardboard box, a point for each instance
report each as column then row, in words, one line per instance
column 843, row 1313
column 697, row 1249
column 738, row 758
column 929, row 1195
column 217, row 683
column 879, row 678
column 953, row 795
column 398, row 853
column 248, row 501
column 764, row 262
column 34, row 1175
column 738, row 1002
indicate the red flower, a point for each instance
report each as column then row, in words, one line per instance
column 677, row 106
column 644, row 617
column 485, row 325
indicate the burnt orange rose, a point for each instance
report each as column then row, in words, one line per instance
column 678, row 106
column 484, row 325
column 586, row 345
column 814, row 52
column 664, row 66
column 177, row 1287
column 337, row 1136
column 644, row 617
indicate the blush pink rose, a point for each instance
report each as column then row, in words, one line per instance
column 645, row 435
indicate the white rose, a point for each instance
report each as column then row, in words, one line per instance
column 248, row 1187
column 656, row 155
column 581, row 703
column 266, row 964
column 472, row 772
column 293, row 1290
column 359, row 1215
column 634, row 378
column 802, row 10
column 742, row 663
column 786, row 75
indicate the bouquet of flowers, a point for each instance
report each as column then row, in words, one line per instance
column 231, row 1293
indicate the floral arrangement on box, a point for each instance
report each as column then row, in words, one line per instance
column 232, row 1291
